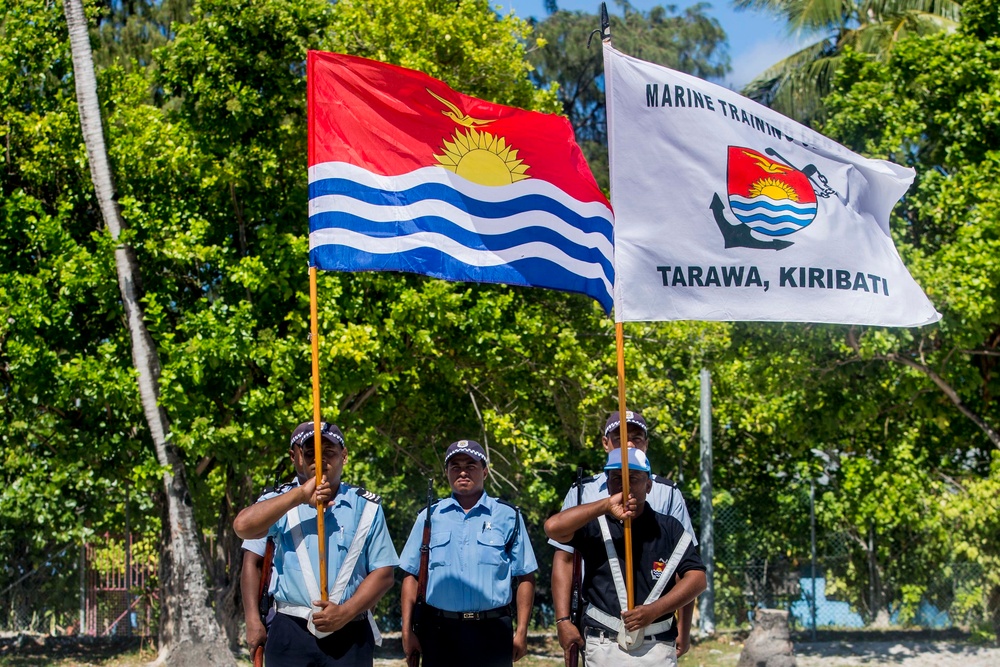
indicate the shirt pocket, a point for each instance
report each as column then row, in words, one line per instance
column 491, row 547
column 343, row 540
column 440, row 546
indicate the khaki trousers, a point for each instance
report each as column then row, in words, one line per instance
column 605, row 652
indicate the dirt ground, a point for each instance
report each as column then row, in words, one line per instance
column 831, row 649
column 897, row 653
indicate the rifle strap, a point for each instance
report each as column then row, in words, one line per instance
column 509, row 544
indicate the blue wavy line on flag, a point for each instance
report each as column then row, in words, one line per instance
column 530, row 272
column 473, row 240
column 475, row 207
column 771, row 219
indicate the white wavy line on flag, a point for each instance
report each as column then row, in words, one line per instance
column 450, row 247
column 773, row 226
column 760, row 199
column 389, row 214
column 760, row 210
column 486, row 193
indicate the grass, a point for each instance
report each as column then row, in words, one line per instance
column 38, row 651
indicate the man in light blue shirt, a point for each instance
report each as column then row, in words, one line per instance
column 478, row 545
column 308, row 631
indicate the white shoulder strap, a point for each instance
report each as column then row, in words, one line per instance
column 670, row 568
column 616, row 567
column 619, row 580
column 305, row 563
column 346, row 568
column 351, row 559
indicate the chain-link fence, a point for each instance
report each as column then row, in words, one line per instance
column 842, row 587
column 43, row 595
column 104, row 588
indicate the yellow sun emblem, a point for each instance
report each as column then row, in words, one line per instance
column 482, row 158
column 773, row 188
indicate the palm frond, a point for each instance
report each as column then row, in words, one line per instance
column 948, row 9
column 797, row 84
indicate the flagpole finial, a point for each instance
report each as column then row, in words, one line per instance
column 605, row 29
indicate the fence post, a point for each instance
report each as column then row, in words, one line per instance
column 812, row 540
column 707, row 542
column 83, row 589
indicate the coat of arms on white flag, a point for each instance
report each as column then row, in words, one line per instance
column 727, row 210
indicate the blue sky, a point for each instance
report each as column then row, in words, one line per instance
column 756, row 41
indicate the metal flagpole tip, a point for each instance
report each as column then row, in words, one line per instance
column 605, row 23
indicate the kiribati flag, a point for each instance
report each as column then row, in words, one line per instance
column 406, row 174
column 768, row 196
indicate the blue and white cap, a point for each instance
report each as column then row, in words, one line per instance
column 467, row 447
column 615, row 421
column 303, row 434
column 636, row 460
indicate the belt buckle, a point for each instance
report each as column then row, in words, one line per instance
column 470, row 616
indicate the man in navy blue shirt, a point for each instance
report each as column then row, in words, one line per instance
column 661, row 548
column 664, row 498
column 478, row 545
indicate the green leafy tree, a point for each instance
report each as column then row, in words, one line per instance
column 971, row 512
column 939, row 87
column 908, row 415
column 188, row 627
column 212, row 186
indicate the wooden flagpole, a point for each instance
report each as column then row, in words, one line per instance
column 317, row 437
column 623, row 422
column 623, row 440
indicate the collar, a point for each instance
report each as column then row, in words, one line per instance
column 344, row 498
column 485, row 505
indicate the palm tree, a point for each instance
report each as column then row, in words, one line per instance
column 796, row 85
column 189, row 631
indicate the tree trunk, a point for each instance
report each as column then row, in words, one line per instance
column 993, row 610
column 879, row 613
column 189, row 631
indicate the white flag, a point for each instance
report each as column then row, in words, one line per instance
column 726, row 210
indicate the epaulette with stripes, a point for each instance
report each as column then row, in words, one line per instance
column 276, row 490
column 370, row 496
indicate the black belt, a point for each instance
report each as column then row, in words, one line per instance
column 499, row 612
column 601, row 633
